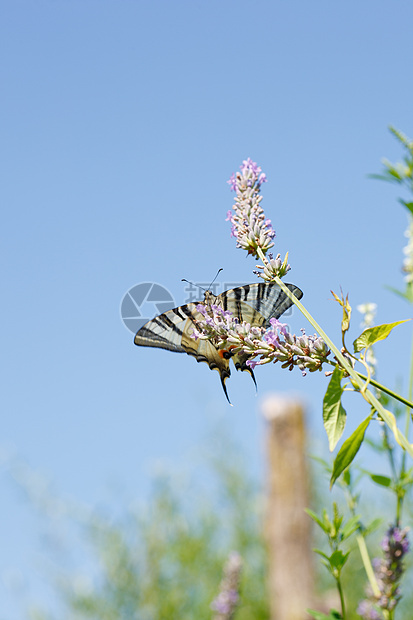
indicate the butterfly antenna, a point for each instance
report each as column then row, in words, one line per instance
column 197, row 285
column 218, row 272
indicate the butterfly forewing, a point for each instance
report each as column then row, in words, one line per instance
column 258, row 303
column 166, row 330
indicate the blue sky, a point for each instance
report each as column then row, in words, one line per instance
column 121, row 123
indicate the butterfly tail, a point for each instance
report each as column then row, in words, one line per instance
column 240, row 361
column 253, row 377
column 224, row 377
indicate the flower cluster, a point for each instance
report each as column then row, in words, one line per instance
column 276, row 344
column 273, row 267
column 224, row 331
column 249, row 225
column 388, row 571
column 307, row 352
column 228, row 598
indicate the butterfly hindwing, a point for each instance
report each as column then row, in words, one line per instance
column 254, row 303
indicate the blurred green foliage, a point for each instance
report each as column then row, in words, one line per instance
column 164, row 561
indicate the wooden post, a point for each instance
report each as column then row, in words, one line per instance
column 288, row 528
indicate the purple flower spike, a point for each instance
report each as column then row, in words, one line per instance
column 367, row 611
column 249, row 225
column 388, row 571
column 228, row 598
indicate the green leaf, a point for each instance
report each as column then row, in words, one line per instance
column 401, row 137
column 374, row 334
column 338, row 559
column 408, row 205
column 384, row 481
column 334, row 414
column 325, row 560
column 317, row 519
column 349, row 450
column 347, row 477
column 409, row 292
column 318, row 615
column 326, row 466
column 378, row 177
column 327, row 523
column 376, row 523
column 394, row 173
column 406, row 477
column 350, row 527
column 344, row 303
column 378, row 447
column 323, row 555
column 335, row 561
column 404, row 294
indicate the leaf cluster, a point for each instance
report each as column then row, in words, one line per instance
column 334, row 414
column 400, row 173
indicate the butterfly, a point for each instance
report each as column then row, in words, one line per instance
column 254, row 303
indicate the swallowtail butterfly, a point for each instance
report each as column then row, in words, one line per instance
column 255, row 303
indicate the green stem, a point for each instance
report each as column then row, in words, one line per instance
column 396, row 478
column 390, row 454
column 340, row 591
column 382, row 388
column 386, row 390
column 388, row 417
column 410, row 393
column 363, row 548
column 399, row 509
column 411, row 374
column 367, row 565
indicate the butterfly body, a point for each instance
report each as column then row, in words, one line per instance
column 254, row 303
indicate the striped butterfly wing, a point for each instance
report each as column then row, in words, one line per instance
column 258, row 303
column 255, row 303
column 172, row 330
